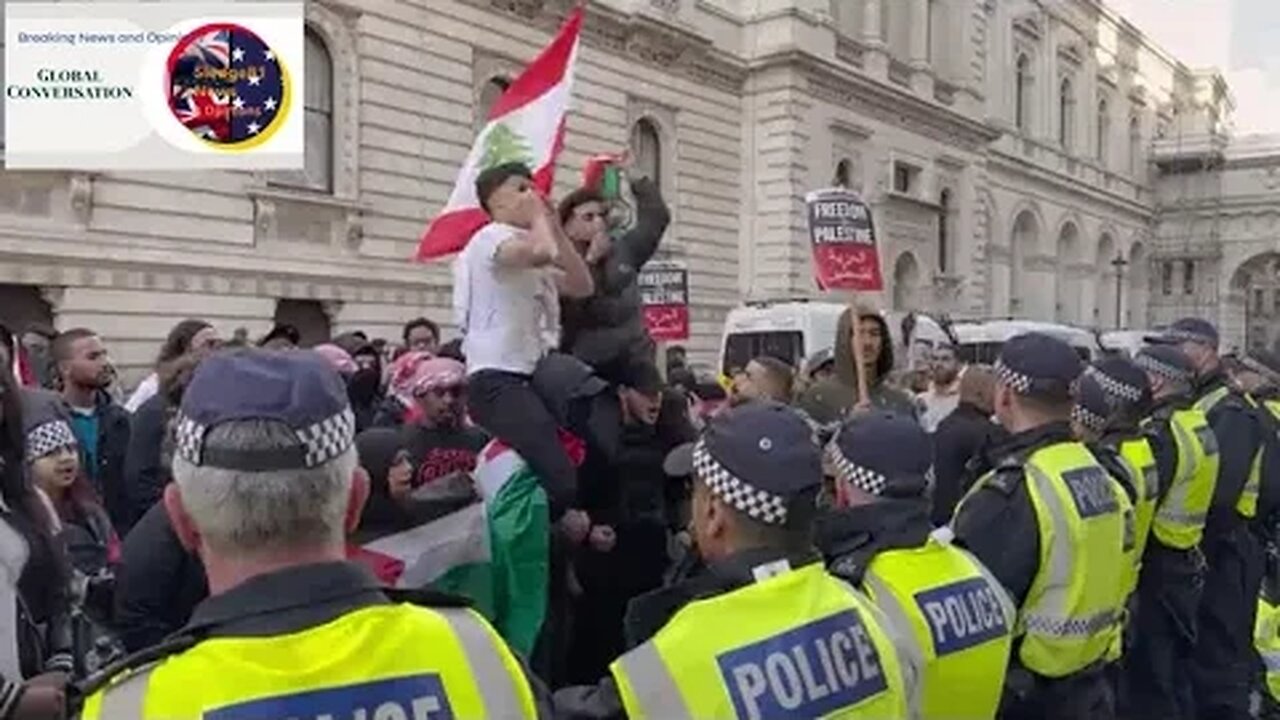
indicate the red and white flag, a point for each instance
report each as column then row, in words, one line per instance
column 525, row 125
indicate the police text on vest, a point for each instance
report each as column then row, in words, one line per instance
column 809, row 671
column 963, row 614
column 417, row 697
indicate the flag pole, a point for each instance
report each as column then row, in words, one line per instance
column 855, row 324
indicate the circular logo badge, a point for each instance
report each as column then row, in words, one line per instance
column 227, row 87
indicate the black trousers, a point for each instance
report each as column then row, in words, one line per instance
column 1156, row 665
column 1223, row 665
column 1086, row 695
column 506, row 405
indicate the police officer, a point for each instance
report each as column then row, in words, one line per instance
column 1049, row 523
column 1156, row 666
column 266, row 484
column 1221, row 672
column 1112, row 400
column 958, row 616
column 767, row 632
column 1266, row 638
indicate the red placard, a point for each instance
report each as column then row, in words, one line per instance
column 664, row 292
column 843, row 237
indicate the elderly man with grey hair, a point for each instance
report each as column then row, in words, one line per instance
column 266, row 487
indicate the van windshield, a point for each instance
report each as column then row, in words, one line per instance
column 740, row 348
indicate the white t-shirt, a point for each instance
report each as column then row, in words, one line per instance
column 146, row 390
column 509, row 317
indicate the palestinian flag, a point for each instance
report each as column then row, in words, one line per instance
column 525, row 125
column 495, row 552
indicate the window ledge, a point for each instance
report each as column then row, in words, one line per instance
column 291, row 193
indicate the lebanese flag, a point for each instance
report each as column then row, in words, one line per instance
column 525, row 125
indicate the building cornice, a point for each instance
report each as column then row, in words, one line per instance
column 662, row 44
column 847, row 87
column 1000, row 160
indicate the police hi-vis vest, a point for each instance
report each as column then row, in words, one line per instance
column 1266, row 640
column 1247, row 504
column 799, row 644
column 383, row 661
column 960, row 618
column 1072, row 613
column 1180, row 517
column 1141, row 461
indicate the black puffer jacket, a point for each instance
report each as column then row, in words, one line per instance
column 608, row 327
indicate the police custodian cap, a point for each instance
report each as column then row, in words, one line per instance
column 1038, row 365
column 1092, row 408
column 298, row 389
column 756, row 457
column 883, row 454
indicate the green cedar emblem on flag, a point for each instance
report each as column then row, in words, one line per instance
column 503, row 145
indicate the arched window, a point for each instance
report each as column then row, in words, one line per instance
column 843, row 174
column 1022, row 94
column 489, row 95
column 944, row 219
column 646, row 148
column 1135, row 147
column 1066, row 113
column 1104, row 132
column 318, row 104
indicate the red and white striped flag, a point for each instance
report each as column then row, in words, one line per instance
column 525, row 125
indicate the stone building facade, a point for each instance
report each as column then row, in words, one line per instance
column 1003, row 144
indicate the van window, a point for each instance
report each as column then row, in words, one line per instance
column 979, row 353
column 988, row 352
column 740, row 348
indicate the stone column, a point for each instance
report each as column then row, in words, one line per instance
column 918, row 55
column 876, row 57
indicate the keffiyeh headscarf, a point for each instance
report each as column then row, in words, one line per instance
column 416, row 372
column 48, row 438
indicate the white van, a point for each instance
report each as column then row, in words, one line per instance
column 793, row 330
column 790, row 330
column 979, row 341
column 1128, row 342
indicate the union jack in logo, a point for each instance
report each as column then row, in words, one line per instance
column 226, row 86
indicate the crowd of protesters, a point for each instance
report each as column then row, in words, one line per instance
column 553, row 367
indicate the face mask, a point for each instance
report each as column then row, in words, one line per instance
column 363, row 386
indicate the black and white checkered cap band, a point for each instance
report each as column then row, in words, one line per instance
column 1188, row 336
column 1088, row 418
column 1161, row 368
column 1115, row 388
column 1015, row 380
column 318, row 444
column 758, row 504
column 863, row 478
column 48, row 438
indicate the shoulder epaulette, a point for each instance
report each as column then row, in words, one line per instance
column 133, row 663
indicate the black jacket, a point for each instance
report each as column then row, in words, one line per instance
column 144, row 473
column 960, row 437
column 849, row 539
column 158, row 583
column 1001, row 509
column 108, row 476
column 608, row 327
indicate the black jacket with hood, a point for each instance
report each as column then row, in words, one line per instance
column 831, row 400
column 608, row 328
